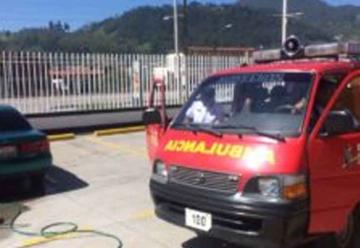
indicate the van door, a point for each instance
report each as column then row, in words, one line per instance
column 334, row 157
column 155, row 117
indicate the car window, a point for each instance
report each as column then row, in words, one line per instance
column 11, row 120
column 349, row 103
column 326, row 89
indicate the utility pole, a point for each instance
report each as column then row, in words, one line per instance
column 176, row 28
column 185, row 26
column 284, row 21
column 176, row 46
column 285, row 18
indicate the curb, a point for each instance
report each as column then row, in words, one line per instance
column 119, row 130
column 60, row 137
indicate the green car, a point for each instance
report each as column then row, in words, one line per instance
column 24, row 151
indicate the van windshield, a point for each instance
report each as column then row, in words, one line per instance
column 268, row 103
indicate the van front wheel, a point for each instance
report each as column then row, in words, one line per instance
column 350, row 237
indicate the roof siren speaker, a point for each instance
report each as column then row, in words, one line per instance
column 292, row 47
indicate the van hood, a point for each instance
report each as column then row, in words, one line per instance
column 247, row 156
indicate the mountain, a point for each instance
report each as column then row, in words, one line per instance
column 144, row 30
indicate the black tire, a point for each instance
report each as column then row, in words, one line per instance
column 323, row 242
column 350, row 237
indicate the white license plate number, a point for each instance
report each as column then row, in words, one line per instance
column 198, row 220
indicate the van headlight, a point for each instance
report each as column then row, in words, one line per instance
column 287, row 187
column 160, row 171
column 269, row 187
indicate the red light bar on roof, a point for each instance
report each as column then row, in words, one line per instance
column 336, row 50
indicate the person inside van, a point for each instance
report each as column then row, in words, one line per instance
column 296, row 96
column 205, row 110
column 288, row 99
column 249, row 99
column 241, row 99
column 277, row 99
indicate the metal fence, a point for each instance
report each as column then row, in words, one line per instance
column 42, row 83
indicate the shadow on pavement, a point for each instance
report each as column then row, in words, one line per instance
column 57, row 181
column 203, row 241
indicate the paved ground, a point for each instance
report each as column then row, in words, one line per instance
column 98, row 183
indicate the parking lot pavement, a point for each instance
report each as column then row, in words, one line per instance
column 97, row 183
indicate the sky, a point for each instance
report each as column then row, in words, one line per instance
column 17, row 14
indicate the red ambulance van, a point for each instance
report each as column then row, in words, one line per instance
column 266, row 155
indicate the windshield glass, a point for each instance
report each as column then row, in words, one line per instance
column 271, row 103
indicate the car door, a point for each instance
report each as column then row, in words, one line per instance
column 155, row 117
column 334, row 159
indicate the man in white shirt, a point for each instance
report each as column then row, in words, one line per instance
column 205, row 110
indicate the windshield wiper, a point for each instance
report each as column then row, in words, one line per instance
column 198, row 128
column 277, row 137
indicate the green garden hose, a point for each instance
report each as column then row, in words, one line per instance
column 67, row 228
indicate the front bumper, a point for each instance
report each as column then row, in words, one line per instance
column 236, row 219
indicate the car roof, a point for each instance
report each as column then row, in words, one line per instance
column 5, row 107
column 293, row 66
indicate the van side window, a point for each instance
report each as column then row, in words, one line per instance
column 349, row 103
column 327, row 87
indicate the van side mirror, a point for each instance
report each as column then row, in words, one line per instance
column 338, row 122
column 151, row 116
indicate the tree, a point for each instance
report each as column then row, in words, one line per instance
column 51, row 25
column 59, row 27
column 66, row 27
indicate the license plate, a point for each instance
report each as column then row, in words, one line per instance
column 198, row 220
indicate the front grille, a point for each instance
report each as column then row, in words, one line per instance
column 204, row 179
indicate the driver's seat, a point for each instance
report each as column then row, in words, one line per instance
column 277, row 97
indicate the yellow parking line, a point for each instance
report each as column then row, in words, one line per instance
column 60, row 137
column 119, row 130
column 43, row 240
column 118, row 147
column 145, row 214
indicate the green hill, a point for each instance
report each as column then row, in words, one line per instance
column 144, row 30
